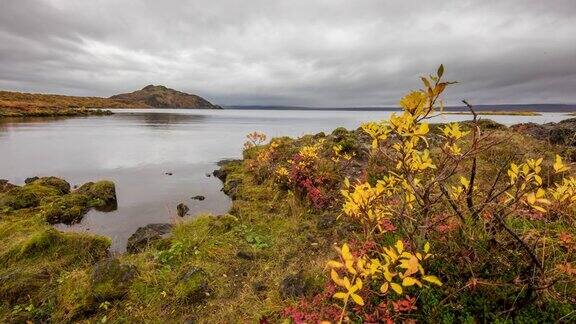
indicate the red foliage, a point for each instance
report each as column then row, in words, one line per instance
column 315, row 310
column 307, row 182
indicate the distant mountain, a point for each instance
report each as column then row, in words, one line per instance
column 479, row 108
column 163, row 97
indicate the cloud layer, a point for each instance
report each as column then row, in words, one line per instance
column 309, row 52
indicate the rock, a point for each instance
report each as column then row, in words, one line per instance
column 293, row 286
column 198, row 197
column 182, row 209
column 146, row 235
column 5, row 185
column 30, row 180
column 208, row 175
column 102, row 195
column 169, row 173
column 193, row 286
column 57, row 183
column 231, row 188
column 220, row 174
column 245, row 255
column 110, row 279
column 68, row 209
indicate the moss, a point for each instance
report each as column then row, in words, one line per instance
column 110, row 279
column 68, row 209
column 59, row 184
column 28, row 196
column 75, row 297
column 102, row 194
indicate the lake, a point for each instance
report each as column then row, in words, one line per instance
column 136, row 148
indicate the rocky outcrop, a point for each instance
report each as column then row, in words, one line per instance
column 561, row 133
column 162, row 97
column 146, row 235
column 111, row 279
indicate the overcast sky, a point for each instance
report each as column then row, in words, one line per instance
column 310, row 52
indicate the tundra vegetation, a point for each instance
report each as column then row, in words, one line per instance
column 399, row 220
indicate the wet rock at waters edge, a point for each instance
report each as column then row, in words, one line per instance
column 193, row 286
column 30, row 180
column 146, row 235
column 198, row 197
column 182, row 209
column 220, row 174
column 111, row 279
column 208, row 175
column 231, row 188
column 169, row 173
column 294, row 286
column 5, row 185
column 102, row 195
column 68, row 209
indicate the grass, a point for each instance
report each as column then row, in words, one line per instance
column 266, row 255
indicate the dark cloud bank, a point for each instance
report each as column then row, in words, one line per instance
column 314, row 53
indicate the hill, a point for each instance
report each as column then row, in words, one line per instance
column 18, row 104
column 162, row 97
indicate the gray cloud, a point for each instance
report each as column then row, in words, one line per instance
column 309, row 52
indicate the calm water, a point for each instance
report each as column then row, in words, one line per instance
column 135, row 148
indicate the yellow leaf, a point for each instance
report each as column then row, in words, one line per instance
column 408, row 281
column 396, row 287
column 384, row 288
column 400, row 246
column 426, row 247
column 341, row 295
column 334, row 264
column 337, row 280
column 432, row 279
column 357, row 299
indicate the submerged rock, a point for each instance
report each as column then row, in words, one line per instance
column 110, row 279
column 198, row 197
column 182, row 209
column 146, row 235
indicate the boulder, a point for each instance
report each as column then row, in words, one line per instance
column 146, row 235
column 68, row 209
column 102, row 194
column 562, row 133
column 111, row 279
column 182, row 209
column 30, row 180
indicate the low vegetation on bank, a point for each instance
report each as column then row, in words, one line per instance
column 396, row 221
column 495, row 113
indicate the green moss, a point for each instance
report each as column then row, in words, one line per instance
column 110, row 279
column 59, row 184
column 102, row 194
column 68, row 209
column 75, row 297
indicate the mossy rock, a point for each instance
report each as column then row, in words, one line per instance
column 61, row 185
column 69, row 209
column 102, row 194
column 39, row 242
column 110, row 279
column 193, row 286
column 74, row 299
